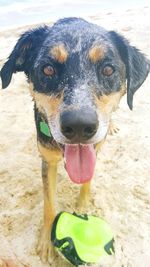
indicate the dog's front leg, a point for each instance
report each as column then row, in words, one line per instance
column 85, row 191
column 49, row 183
column 49, row 173
column 84, row 196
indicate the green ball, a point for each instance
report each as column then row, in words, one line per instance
column 82, row 239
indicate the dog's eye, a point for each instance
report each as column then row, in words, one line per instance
column 49, row 70
column 108, row 70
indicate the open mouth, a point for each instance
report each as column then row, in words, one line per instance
column 80, row 162
column 79, row 159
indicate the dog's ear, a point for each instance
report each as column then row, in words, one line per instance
column 137, row 65
column 23, row 54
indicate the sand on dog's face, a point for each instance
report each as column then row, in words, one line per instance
column 121, row 183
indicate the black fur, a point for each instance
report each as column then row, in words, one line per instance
column 137, row 66
column 31, row 54
column 23, row 54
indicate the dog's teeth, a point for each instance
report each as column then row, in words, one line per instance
column 65, row 160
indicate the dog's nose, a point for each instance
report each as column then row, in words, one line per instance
column 79, row 125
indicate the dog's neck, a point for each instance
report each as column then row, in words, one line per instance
column 46, row 133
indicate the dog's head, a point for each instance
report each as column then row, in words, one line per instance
column 77, row 73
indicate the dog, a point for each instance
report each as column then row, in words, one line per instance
column 77, row 74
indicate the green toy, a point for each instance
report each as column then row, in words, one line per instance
column 45, row 129
column 82, row 239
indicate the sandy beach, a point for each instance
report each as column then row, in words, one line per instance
column 121, row 184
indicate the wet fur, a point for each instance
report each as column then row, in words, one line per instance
column 77, row 49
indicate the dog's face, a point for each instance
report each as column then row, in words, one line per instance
column 77, row 73
column 77, row 81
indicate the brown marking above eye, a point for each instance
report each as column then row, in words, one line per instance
column 96, row 53
column 49, row 70
column 108, row 70
column 59, row 53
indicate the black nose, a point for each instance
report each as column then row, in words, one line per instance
column 79, row 125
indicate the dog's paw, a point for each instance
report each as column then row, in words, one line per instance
column 45, row 249
column 9, row 263
column 113, row 128
column 43, row 246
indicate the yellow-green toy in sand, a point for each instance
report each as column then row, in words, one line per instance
column 82, row 239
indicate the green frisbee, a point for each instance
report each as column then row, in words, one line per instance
column 82, row 239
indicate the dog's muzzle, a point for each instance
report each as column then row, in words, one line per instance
column 78, row 126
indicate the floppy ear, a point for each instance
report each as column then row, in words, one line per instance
column 137, row 65
column 23, row 54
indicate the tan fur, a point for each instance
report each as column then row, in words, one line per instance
column 109, row 103
column 84, row 196
column 49, row 173
column 106, row 105
column 99, row 145
column 59, row 53
column 96, row 54
column 44, row 102
column 113, row 128
column 51, row 156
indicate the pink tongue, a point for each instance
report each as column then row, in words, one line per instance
column 80, row 162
